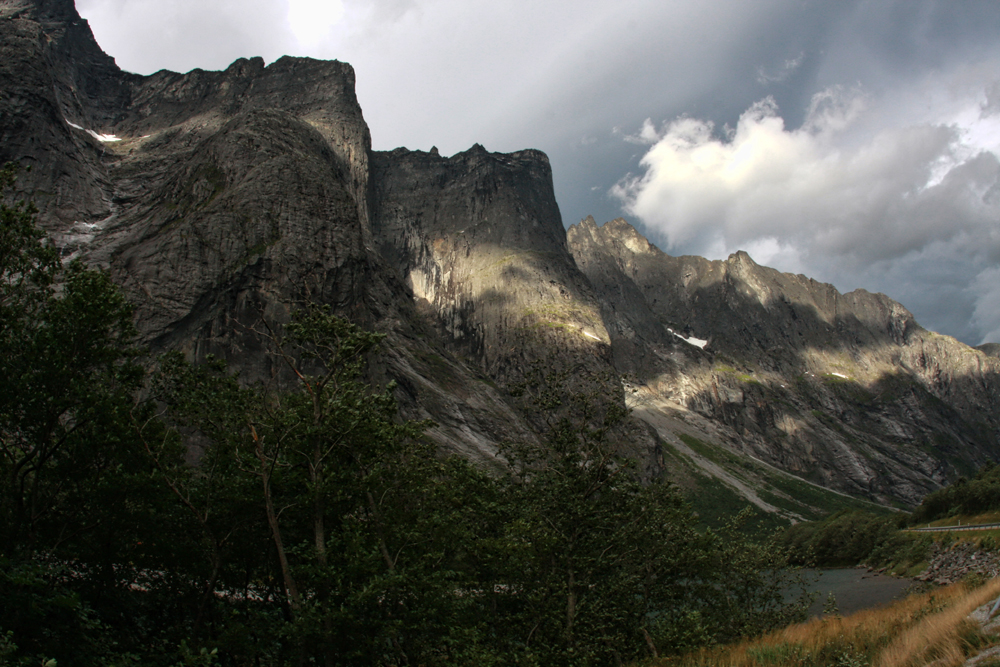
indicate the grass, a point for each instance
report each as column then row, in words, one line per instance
column 926, row 629
column 798, row 496
column 718, row 455
column 814, row 496
column 716, row 504
column 745, row 378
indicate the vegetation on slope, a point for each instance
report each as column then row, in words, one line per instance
column 979, row 495
column 853, row 537
column 715, row 502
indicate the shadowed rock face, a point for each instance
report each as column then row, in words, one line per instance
column 844, row 389
column 216, row 198
column 52, row 69
column 211, row 196
column 226, row 197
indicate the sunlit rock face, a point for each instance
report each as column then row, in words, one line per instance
column 844, row 389
column 478, row 238
column 220, row 198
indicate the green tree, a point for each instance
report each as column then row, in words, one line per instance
column 68, row 363
column 73, row 482
column 978, row 495
column 366, row 524
column 602, row 568
column 595, row 555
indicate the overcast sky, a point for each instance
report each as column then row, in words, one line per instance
column 854, row 141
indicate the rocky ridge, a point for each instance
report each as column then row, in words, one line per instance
column 216, row 198
column 846, row 390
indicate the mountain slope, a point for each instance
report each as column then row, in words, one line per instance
column 844, row 390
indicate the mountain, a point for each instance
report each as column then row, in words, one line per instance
column 219, row 198
column 845, row 390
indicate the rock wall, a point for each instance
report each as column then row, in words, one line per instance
column 479, row 241
column 846, row 390
column 219, row 198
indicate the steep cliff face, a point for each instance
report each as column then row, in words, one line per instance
column 844, row 389
column 210, row 195
column 64, row 97
column 479, row 240
column 51, row 69
column 219, row 198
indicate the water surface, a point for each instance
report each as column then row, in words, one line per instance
column 854, row 588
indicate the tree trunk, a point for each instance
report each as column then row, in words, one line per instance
column 291, row 590
column 570, row 604
column 386, row 556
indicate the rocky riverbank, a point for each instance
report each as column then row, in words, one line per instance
column 948, row 565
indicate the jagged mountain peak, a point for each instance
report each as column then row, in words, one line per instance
column 737, row 283
column 741, row 257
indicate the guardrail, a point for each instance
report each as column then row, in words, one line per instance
column 949, row 529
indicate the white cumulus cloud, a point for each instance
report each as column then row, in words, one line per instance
column 838, row 200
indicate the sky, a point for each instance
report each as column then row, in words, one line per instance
column 855, row 141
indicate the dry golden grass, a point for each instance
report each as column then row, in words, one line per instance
column 926, row 629
column 941, row 638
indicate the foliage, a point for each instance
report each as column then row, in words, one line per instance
column 851, row 537
column 979, row 495
column 845, row 538
column 73, row 488
column 364, row 521
column 594, row 556
column 382, row 552
column 608, row 568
